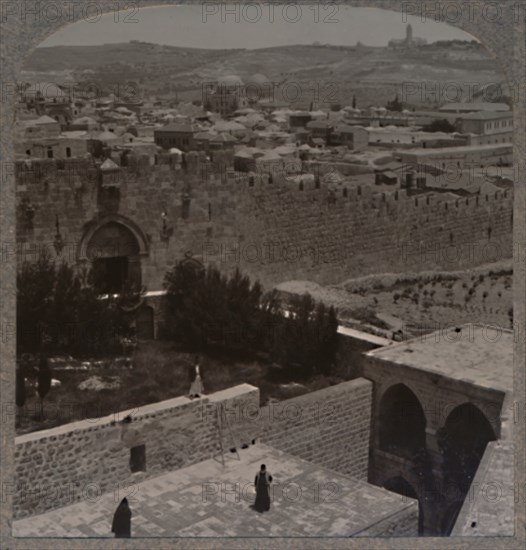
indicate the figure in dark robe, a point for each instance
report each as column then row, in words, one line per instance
column 262, row 483
column 121, row 525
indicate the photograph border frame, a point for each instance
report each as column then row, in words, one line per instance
column 504, row 38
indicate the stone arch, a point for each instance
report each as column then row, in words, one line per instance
column 114, row 246
column 466, row 428
column 401, row 421
column 401, row 486
column 462, row 441
column 138, row 243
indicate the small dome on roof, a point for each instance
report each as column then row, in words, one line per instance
column 257, row 78
column 230, row 80
column 106, row 135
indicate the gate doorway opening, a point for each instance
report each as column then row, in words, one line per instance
column 111, row 274
column 115, row 254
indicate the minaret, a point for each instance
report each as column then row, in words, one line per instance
column 409, row 35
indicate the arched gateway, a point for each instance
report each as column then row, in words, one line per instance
column 114, row 245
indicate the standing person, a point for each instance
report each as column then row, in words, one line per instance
column 196, row 389
column 262, row 483
column 121, row 525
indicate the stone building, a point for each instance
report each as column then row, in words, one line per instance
column 488, row 127
column 462, row 157
column 66, row 145
column 440, row 406
column 178, row 134
column 299, row 119
column 42, row 127
column 321, row 129
column 225, row 96
column 354, row 137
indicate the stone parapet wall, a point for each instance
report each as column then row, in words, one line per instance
column 82, row 460
column 329, row 427
column 85, row 459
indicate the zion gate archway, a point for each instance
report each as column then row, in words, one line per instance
column 114, row 245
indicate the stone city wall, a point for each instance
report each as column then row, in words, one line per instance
column 270, row 229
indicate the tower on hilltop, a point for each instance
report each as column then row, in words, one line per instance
column 409, row 34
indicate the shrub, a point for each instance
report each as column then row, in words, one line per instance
column 439, row 125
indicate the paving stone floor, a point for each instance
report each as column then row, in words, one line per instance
column 209, row 500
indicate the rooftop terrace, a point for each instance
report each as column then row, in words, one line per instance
column 209, row 500
column 479, row 354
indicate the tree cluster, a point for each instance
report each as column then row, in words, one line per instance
column 207, row 310
column 395, row 105
column 440, row 125
column 59, row 310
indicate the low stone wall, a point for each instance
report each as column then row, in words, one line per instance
column 401, row 524
column 352, row 344
column 488, row 509
column 82, row 460
column 329, row 427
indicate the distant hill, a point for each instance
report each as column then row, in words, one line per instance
column 160, row 68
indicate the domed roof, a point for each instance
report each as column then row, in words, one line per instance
column 49, row 90
column 106, row 136
column 230, row 80
column 257, row 78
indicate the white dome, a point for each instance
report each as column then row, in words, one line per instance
column 230, row 80
column 258, row 78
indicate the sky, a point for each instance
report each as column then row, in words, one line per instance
column 197, row 26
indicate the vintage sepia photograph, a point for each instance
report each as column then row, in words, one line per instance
column 264, row 277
